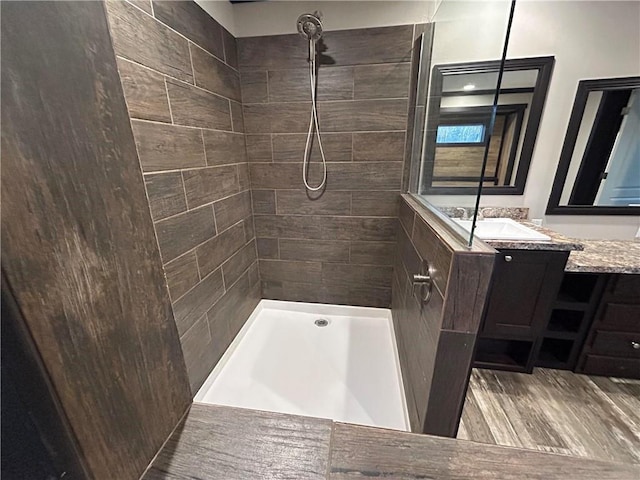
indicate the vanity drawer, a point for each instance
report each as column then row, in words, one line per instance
column 620, row 317
column 626, row 286
column 616, row 343
column 611, row 366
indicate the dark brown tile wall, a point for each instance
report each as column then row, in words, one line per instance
column 436, row 340
column 335, row 246
column 178, row 69
column 87, row 325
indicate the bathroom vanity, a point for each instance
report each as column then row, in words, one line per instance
column 610, row 306
column 563, row 304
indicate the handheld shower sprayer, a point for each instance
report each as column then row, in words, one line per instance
column 310, row 28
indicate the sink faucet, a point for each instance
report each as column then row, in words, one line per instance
column 486, row 212
column 464, row 213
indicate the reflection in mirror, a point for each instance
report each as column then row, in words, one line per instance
column 599, row 169
column 454, row 152
column 461, row 31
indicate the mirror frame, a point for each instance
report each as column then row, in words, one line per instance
column 544, row 65
column 575, row 120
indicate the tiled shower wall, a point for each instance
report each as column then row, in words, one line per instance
column 178, row 68
column 336, row 246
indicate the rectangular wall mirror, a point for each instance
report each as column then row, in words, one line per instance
column 461, row 106
column 462, row 34
column 599, row 169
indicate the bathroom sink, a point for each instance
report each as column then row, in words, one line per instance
column 502, row 229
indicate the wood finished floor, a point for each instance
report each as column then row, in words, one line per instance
column 554, row 411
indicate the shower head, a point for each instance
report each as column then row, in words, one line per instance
column 310, row 26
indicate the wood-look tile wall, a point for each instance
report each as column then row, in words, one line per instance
column 178, row 68
column 436, row 340
column 335, row 246
column 78, row 247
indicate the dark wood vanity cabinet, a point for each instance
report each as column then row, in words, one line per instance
column 612, row 346
column 524, row 286
column 538, row 315
column 525, row 283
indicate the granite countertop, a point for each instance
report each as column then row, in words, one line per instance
column 217, row 442
column 589, row 256
column 606, row 256
column 558, row 242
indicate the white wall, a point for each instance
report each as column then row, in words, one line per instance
column 469, row 31
column 279, row 17
column 589, row 40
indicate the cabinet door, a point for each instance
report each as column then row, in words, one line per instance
column 524, row 285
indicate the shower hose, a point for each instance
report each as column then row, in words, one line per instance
column 313, row 122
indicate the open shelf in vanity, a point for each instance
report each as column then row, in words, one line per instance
column 571, row 315
column 581, row 315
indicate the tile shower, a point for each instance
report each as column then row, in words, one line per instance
column 219, row 126
column 336, row 247
column 183, row 97
column 180, row 146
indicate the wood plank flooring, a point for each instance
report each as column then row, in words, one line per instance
column 554, row 411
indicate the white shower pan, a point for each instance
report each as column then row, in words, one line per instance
column 328, row 361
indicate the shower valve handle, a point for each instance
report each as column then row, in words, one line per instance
column 419, row 278
column 424, row 280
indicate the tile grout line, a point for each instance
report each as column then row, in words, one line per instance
column 155, row 19
column 341, row 132
column 224, row 45
column 224, row 288
column 324, row 102
column 273, row 159
column 215, row 221
column 231, row 115
column 171, row 77
column 237, row 252
column 186, row 198
column 342, row 263
column 193, row 72
column 191, row 169
column 224, row 53
column 174, row 430
column 192, row 249
column 217, row 268
column 200, row 206
column 179, row 125
column 204, row 149
column 166, row 89
column 266, row 72
column 192, row 326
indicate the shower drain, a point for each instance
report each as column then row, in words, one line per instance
column 321, row 322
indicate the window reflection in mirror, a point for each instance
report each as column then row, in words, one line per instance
column 599, row 169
